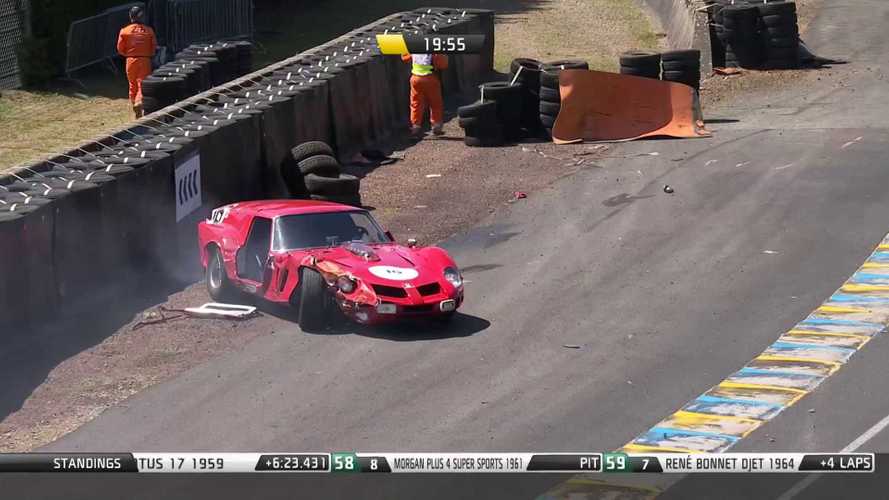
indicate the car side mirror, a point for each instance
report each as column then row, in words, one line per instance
column 411, row 242
column 389, row 235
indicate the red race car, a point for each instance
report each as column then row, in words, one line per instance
column 319, row 256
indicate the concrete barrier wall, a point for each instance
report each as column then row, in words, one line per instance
column 126, row 205
column 686, row 26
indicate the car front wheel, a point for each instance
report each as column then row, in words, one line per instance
column 314, row 301
column 218, row 286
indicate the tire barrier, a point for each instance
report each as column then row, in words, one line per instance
column 779, row 32
column 131, row 200
column 755, row 35
column 740, row 35
column 11, row 296
column 717, row 47
column 550, row 98
column 311, row 171
column 199, row 67
column 682, row 66
column 644, row 63
column 482, row 124
column 508, row 97
column 159, row 92
column 31, row 288
column 526, row 72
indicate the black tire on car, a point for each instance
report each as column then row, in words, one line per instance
column 218, row 286
column 315, row 304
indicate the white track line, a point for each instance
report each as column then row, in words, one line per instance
column 797, row 488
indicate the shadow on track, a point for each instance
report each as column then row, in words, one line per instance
column 30, row 353
column 408, row 330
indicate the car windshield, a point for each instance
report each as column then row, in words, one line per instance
column 293, row 232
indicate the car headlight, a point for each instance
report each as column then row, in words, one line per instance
column 346, row 284
column 453, row 276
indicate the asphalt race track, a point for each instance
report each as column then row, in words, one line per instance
column 665, row 295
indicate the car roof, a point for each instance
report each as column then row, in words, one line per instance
column 277, row 208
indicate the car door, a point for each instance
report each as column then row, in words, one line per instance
column 253, row 255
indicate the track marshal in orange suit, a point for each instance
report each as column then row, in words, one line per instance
column 137, row 43
column 426, row 90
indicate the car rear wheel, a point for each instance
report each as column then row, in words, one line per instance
column 314, row 301
column 218, row 286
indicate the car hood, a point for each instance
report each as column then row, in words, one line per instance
column 392, row 265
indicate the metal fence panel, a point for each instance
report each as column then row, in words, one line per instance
column 193, row 21
column 14, row 15
column 94, row 39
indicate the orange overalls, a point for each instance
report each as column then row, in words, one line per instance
column 426, row 87
column 137, row 43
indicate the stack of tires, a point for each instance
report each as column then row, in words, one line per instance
column 482, row 124
column 780, row 35
column 550, row 97
column 159, row 92
column 740, row 35
column 196, row 75
column 196, row 69
column 717, row 48
column 644, row 63
column 526, row 72
column 234, row 58
column 508, row 98
column 313, row 172
column 682, row 66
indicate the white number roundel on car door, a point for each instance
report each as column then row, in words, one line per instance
column 394, row 273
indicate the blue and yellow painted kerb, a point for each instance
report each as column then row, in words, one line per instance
column 392, row 44
column 787, row 370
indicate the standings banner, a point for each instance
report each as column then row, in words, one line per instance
column 388, row 463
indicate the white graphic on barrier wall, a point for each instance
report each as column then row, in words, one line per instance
column 188, row 186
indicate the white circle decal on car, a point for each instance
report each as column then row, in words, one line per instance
column 394, row 273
